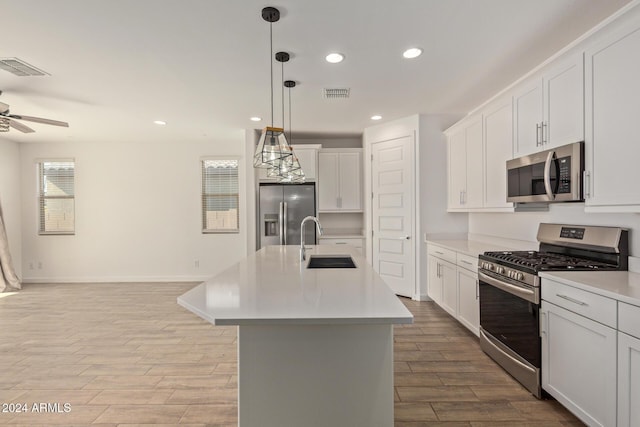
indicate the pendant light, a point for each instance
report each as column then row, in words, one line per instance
column 272, row 146
column 295, row 172
column 287, row 168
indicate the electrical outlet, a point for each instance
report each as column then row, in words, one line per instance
column 39, row 265
column 197, row 263
column 31, row 265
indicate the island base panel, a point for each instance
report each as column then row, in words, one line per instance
column 315, row 375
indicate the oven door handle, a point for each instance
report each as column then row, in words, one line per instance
column 530, row 295
column 547, row 175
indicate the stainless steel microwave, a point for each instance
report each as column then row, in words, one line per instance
column 553, row 175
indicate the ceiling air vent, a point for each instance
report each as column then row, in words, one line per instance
column 20, row 68
column 340, row 93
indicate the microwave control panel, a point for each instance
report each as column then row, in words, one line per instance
column 564, row 180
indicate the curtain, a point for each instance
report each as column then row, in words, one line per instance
column 8, row 279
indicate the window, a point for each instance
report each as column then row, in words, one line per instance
column 220, row 196
column 57, row 197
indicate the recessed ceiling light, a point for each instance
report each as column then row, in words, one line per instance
column 413, row 52
column 334, row 58
column 160, row 122
column 376, row 117
column 255, row 119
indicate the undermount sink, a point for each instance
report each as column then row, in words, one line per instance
column 331, row 261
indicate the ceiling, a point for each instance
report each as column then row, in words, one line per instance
column 203, row 65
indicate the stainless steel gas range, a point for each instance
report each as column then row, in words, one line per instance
column 510, row 290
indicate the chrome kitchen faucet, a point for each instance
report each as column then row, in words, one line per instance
column 318, row 226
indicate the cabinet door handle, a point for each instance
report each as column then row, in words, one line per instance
column 543, row 324
column 466, row 262
column 573, row 300
column 477, row 289
column 586, row 184
column 537, row 134
column 545, row 134
column 340, row 243
column 439, row 253
column 438, row 270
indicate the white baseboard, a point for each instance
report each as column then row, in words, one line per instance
column 115, row 279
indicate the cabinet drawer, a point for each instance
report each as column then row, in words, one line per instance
column 629, row 319
column 442, row 253
column 331, row 241
column 587, row 304
column 468, row 262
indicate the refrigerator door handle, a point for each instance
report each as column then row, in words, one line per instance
column 284, row 221
column 281, row 222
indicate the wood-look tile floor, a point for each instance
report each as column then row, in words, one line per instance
column 127, row 355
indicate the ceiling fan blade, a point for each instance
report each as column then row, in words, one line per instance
column 4, row 107
column 40, row 120
column 19, row 126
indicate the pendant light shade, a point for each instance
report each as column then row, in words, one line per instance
column 272, row 148
column 290, row 169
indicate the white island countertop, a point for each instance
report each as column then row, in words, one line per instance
column 272, row 287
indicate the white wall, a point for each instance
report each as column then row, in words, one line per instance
column 138, row 214
column 524, row 225
column 10, row 199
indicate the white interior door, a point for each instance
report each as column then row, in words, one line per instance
column 392, row 186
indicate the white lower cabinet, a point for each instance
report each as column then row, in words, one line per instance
column 338, row 241
column 441, row 285
column 579, row 355
column 452, row 282
column 468, row 304
column 628, row 365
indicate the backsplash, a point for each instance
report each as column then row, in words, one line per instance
column 524, row 225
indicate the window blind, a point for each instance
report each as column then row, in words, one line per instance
column 57, row 197
column 220, row 213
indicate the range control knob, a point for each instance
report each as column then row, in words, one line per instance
column 519, row 276
column 500, row 270
column 510, row 274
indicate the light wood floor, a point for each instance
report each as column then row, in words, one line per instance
column 127, row 354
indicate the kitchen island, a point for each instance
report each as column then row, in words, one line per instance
column 315, row 346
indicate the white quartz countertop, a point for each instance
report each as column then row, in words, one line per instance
column 473, row 247
column 272, row 287
column 620, row 285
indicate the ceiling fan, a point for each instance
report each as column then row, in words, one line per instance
column 11, row 120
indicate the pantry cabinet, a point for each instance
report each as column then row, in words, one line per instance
column 465, row 154
column 340, row 180
column 548, row 109
column 611, row 140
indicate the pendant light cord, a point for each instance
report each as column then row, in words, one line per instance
column 282, row 94
column 271, row 63
column 290, row 128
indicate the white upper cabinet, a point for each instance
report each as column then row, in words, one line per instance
column 612, row 106
column 465, row 154
column 527, row 118
column 498, row 148
column 548, row 110
column 307, row 156
column 340, row 180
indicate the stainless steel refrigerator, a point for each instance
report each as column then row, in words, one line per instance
column 281, row 209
